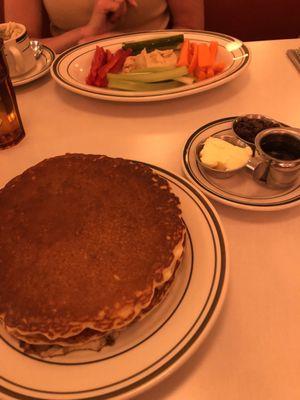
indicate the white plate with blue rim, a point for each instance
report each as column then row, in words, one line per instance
column 71, row 68
column 239, row 191
column 148, row 351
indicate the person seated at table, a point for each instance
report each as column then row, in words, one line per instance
column 75, row 21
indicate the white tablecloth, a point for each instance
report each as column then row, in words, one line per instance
column 253, row 351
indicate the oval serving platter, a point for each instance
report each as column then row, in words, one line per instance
column 71, row 68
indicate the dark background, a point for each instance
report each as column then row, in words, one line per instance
column 249, row 19
column 254, row 19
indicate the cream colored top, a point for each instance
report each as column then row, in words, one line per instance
column 69, row 14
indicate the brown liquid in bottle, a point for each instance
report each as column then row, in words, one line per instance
column 11, row 128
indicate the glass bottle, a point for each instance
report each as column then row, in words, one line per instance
column 11, row 127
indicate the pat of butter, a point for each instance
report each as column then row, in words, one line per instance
column 224, row 156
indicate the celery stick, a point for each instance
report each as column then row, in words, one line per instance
column 187, row 80
column 153, row 69
column 140, row 86
column 150, row 76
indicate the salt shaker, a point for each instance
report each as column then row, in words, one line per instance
column 11, row 127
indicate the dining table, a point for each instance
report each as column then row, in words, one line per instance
column 253, row 349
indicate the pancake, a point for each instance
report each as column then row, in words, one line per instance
column 87, row 242
column 88, row 339
column 94, row 341
column 90, row 334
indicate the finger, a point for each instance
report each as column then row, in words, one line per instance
column 132, row 3
column 116, row 7
column 119, row 13
column 106, row 6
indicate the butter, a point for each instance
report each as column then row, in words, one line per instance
column 224, row 156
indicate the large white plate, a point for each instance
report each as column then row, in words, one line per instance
column 239, row 191
column 147, row 351
column 71, row 68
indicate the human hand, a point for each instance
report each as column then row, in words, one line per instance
column 105, row 14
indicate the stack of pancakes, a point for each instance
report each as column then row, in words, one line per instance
column 89, row 244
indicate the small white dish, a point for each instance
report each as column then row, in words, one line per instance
column 150, row 350
column 221, row 174
column 42, row 67
column 241, row 190
column 71, row 68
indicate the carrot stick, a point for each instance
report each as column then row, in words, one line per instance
column 194, row 59
column 184, row 54
column 191, row 52
column 210, row 72
column 213, row 49
column 203, row 56
column 219, row 67
column 200, row 73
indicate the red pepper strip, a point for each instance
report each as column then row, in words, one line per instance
column 107, row 67
column 108, row 55
column 101, row 80
column 119, row 65
column 94, row 65
column 99, row 59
